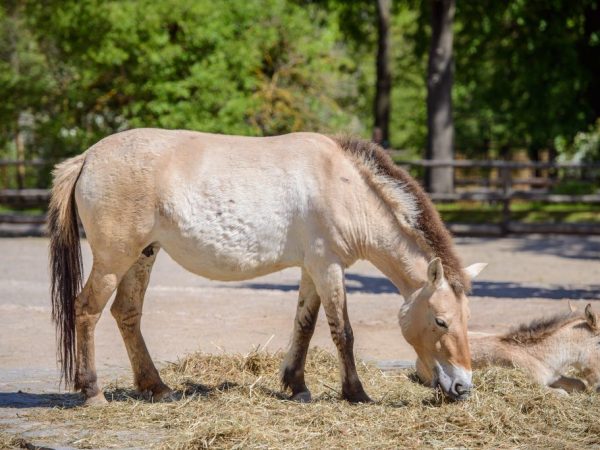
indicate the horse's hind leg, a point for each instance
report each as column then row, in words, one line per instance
column 292, row 369
column 127, row 310
column 89, row 304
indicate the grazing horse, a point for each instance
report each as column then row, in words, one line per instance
column 545, row 349
column 234, row 208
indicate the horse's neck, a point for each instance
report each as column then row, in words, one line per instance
column 397, row 255
column 376, row 235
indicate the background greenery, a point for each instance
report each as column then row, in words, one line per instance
column 72, row 71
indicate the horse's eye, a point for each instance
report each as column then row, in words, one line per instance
column 441, row 323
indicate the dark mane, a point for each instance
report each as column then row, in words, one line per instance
column 428, row 222
column 539, row 329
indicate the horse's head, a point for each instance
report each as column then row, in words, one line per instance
column 434, row 321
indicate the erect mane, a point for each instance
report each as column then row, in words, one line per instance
column 406, row 196
column 539, row 329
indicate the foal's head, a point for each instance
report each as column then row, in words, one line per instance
column 590, row 349
column 434, row 321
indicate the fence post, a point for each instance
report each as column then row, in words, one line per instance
column 505, row 174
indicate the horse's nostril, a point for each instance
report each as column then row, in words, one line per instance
column 461, row 389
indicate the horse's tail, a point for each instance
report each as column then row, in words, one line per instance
column 65, row 261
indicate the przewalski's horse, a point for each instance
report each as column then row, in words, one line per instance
column 234, row 208
column 546, row 349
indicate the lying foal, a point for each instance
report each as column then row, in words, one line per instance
column 546, row 349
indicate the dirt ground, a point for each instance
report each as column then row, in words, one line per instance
column 527, row 277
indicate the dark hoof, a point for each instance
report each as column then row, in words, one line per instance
column 358, row 397
column 166, row 396
column 160, row 392
column 302, row 397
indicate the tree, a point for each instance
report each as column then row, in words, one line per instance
column 440, row 140
column 525, row 72
column 384, row 79
column 253, row 68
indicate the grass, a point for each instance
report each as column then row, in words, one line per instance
column 240, row 405
column 521, row 211
column 26, row 211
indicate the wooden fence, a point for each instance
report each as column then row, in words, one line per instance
column 500, row 189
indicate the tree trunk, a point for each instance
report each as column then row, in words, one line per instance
column 588, row 51
column 20, row 148
column 440, row 139
column 16, row 66
column 384, row 78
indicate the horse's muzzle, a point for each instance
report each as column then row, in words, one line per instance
column 454, row 381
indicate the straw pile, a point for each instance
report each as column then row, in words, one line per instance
column 239, row 405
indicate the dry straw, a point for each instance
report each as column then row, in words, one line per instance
column 234, row 401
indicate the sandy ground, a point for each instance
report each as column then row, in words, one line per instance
column 527, row 277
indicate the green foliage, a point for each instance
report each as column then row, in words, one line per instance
column 254, row 68
column 575, row 187
column 585, row 146
column 521, row 211
column 74, row 71
column 520, row 80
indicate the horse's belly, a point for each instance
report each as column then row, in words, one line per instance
column 226, row 240
column 227, row 259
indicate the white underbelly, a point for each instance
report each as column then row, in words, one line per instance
column 228, row 256
column 228, row 232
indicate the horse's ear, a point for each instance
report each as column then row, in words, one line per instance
column 572, row 307
column 474, row 269
column 435, row 272
column 590, row 317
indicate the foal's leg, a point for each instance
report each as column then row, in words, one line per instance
column 98, row 288
column 292, row 369
column 329, row 281
column 127, row 310
column 569, row 384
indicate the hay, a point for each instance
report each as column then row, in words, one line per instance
column 7, row 440
column 239, row 405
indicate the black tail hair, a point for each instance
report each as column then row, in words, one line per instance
column 65, row 264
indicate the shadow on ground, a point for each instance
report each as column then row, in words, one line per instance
column 564, row 246
column 354, row 283
column 572, row 247
column 496, row 289
column 23, row 400
column 502, row 289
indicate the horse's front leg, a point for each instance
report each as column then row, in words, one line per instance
column 292, row 369
column 329, row 281
column 127, row 311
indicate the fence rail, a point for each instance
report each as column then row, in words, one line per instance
column 493, row 164
column 505, row 194
column 499, row 190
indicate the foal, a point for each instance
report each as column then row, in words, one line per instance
column 546, row 350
